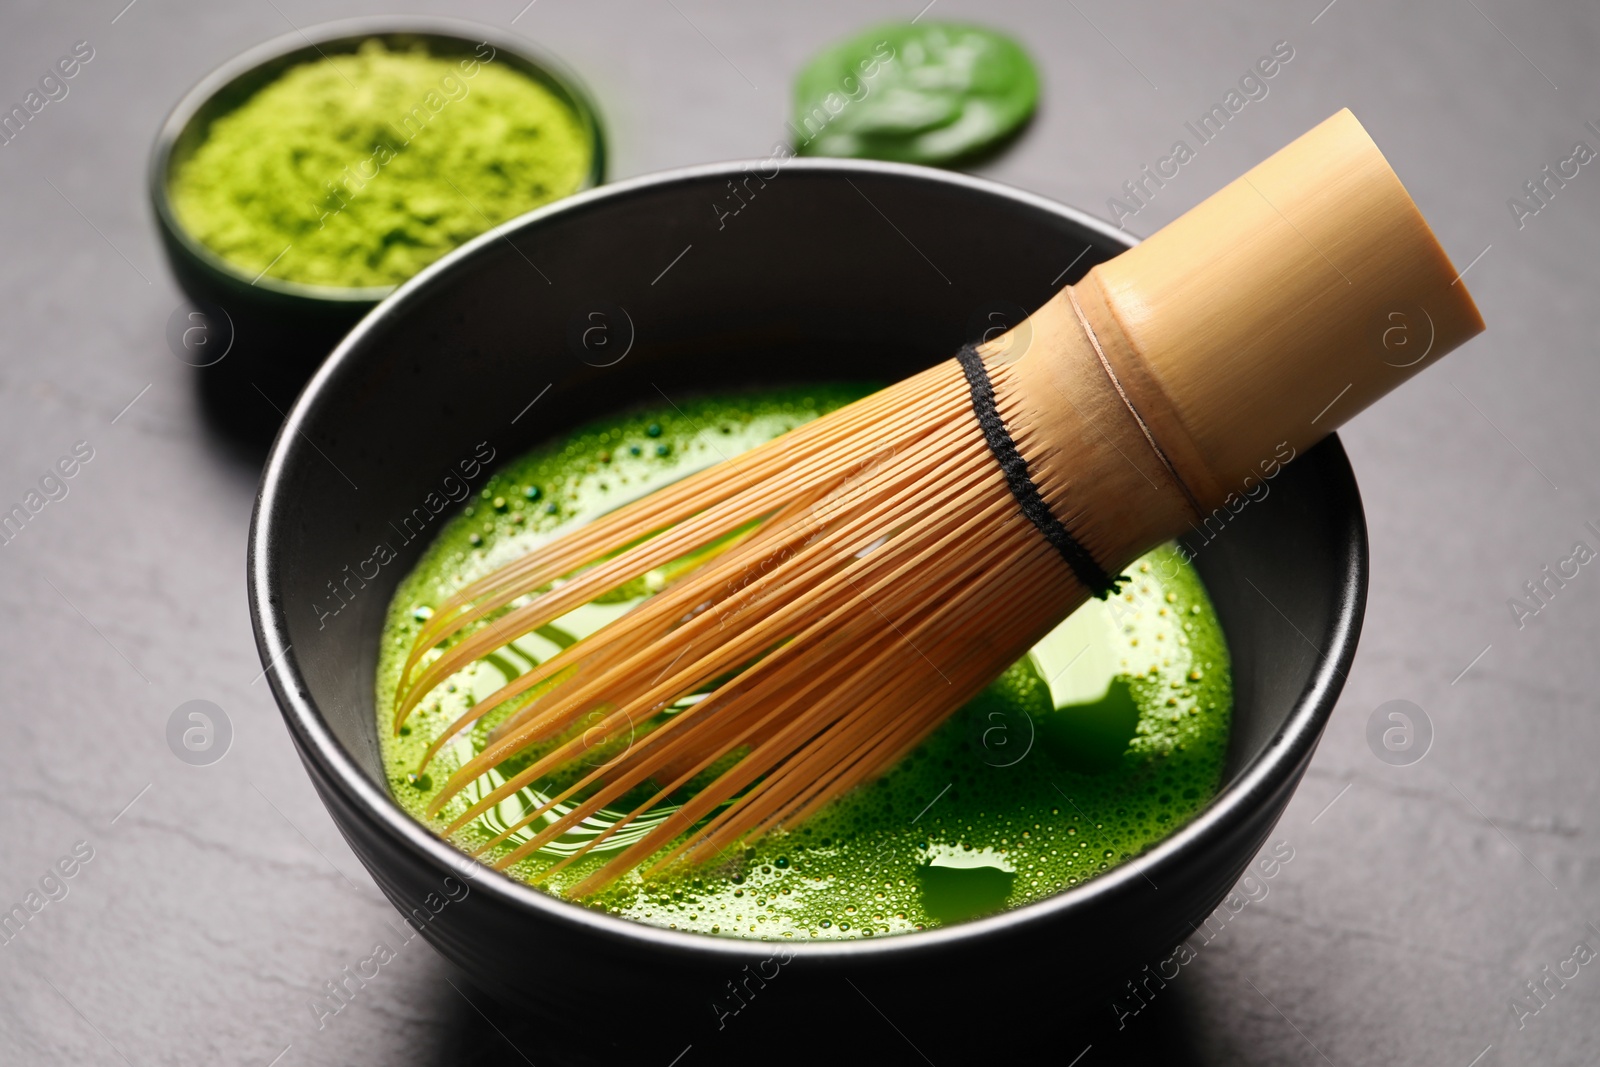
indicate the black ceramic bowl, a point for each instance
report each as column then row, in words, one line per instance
column 832, row 270
column 271, row 333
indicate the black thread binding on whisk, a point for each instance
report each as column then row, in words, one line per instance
column 1015, row 468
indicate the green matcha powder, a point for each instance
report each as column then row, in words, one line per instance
column 360, row 169
column 1108, row 736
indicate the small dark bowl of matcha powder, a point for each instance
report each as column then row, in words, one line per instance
column 300, row 183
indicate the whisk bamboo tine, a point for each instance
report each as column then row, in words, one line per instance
column 730, row 656
column 824, row 625
column 652, row 512
column 902, row 731
column 624, row 639
column 713, row 747
column 840, row 744
column 603, row 577
column 807, row 723
column 614, row 641
column 848, row 588
column 663, row 507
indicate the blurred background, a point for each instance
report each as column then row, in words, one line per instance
column 1425, row 892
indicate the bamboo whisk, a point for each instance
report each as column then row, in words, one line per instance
column 839, row 591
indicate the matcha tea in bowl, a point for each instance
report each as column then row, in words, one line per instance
column 301, row 182
column 335, row 577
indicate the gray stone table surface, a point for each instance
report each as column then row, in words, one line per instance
column 1420, row 899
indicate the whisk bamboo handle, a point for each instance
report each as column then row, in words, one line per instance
column 1251, row 327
